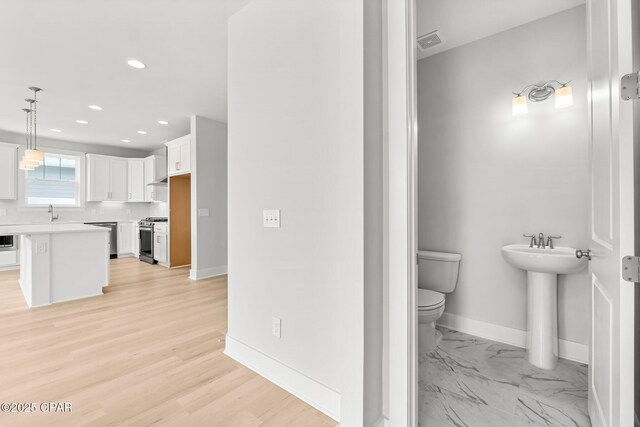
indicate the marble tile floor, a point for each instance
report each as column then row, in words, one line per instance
column 473, row 382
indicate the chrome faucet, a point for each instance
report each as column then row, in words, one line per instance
column 52, row 217
column 533, row 239
column 550, row 240
column 541, row 241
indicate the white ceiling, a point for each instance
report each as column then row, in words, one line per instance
column 464, row 21
column 77, row 51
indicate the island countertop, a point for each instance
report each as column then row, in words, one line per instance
column 30, row 229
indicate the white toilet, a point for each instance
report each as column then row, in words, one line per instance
column 437, row 275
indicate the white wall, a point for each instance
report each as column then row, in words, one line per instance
column 486, row 177
column 208, row 191
column 92, row 211
column 296, row 144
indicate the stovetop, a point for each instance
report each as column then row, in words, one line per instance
column 148, row 222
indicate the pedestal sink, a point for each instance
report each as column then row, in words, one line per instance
column 542, row 267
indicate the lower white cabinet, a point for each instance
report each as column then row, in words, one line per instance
column 125, row 238
column 9, row 259
column 160, row 243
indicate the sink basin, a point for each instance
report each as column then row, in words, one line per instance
column 560, row 260
column 542, row 267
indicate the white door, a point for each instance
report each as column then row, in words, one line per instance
column 136, row 180
column 99, row 185
column 8, row 170
column 149, row 176
column 118, row 179
column 611, row 364
column 173, row 152
column 185, row 155
column 125, row 234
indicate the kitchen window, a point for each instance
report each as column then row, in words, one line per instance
column 56, row 182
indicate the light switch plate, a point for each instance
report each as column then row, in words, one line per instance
column 203, row 212
column 271, row 218
column 276, row 327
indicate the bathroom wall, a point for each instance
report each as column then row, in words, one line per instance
column 11, row 213
column 486, row 177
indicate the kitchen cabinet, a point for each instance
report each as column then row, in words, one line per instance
column 179, row 155
column 136, row 180
column 8, row 171
column 160, row 243
column 107, row 178
column 155, row 170
column 125, row 238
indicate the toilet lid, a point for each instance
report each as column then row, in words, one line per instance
column 429, row 299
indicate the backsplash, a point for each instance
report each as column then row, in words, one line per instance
column 10, row 213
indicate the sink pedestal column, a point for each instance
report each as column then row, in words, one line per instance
column 542, row 319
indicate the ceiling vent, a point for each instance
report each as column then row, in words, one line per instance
column 430, row 40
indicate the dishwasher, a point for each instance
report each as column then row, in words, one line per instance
column 113, row 236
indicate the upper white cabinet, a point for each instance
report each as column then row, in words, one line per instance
column 8, row 170
column 137, row 187
column 179, row 155
column 107, row 178
column 155, row 170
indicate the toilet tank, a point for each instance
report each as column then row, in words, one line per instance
column 438, row 271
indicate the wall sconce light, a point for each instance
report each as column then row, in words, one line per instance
column 539, row 93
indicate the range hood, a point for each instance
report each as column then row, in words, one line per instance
column 159, row 183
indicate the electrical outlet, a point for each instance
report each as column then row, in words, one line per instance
column 128, row 211
column 271, row 218
column 3, row 212
column 276, row 327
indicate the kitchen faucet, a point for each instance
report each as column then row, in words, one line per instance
column 52, row 217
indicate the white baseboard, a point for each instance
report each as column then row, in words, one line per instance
column 307, row 389
column 567, row 349
column 205, row 273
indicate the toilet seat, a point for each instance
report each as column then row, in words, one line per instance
column 429, row 300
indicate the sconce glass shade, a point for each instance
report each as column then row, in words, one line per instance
column 564, row 97
column 519, row 105
column 34, row 156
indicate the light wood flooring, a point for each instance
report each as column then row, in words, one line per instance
column 148, row 352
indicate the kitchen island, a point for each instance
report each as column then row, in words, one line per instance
column 61, row 262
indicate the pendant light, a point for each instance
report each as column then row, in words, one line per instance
column 32, row 153
column 25, row 164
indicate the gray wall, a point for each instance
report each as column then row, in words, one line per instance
column 486, row 177
column 208, row 191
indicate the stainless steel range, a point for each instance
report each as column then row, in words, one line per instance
column 146, row 238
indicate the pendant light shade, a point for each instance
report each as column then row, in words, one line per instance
column 35, row 156
column 32, row 157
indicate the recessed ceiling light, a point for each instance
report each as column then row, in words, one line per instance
column 163, row 122
column 82, row 122
column 141, row 132
column 135, row 63
column 95, row 107
column 125, row 140
column 55, row 130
